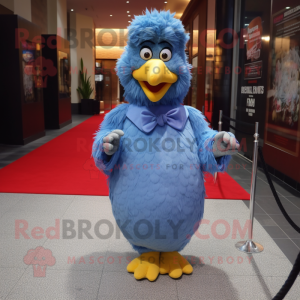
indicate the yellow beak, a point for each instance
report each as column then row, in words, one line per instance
column 155, row 79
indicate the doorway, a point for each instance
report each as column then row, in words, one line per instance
column 107, row 84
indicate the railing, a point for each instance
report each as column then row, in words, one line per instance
column 249, row 246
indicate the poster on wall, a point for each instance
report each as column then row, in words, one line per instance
column 253, row 84
column 253, row 67
column 28, row 55
column 64, row 75
column 283, row 126
column 32, row 69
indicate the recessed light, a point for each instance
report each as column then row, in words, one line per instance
column 128, row 11
column 129, row 21
column 127, row 1
column 129, row 15
column 72, row 9
column 166, row 2
column 110, row 15
column 287, row 7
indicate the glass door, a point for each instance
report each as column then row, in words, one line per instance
column 108, row 87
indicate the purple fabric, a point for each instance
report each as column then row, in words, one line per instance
column 147, row 118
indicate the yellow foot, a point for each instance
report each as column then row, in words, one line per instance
column 145, row 266
column 174, row 264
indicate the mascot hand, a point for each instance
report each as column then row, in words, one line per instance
column 225, row 144
column 112, row 141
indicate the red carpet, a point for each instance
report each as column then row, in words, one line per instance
column 64, row 166
column 225, row 187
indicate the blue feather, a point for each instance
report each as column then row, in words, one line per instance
column 205, row 139
column 155, row 26
column 113, row 120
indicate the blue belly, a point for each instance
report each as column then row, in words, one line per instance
column 157, row 188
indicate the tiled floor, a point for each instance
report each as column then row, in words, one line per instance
column 95, row 268
column 99, row 271
column 266, row 209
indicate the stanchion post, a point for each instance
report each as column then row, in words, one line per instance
column 249, row 246
column 220, row 120
column 220, row 129
column 203, row 110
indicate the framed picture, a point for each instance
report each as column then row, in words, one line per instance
column 64, row 78
column 283, row 126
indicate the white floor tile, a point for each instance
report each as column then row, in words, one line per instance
column 8, row 201
column 115, row 285
column 13, row 251
column 77, row 254
column 206, row 287
column 8, row 279
column 57, row 285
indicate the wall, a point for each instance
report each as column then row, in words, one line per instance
column 23, row 8
column 39, row 14
column 62, row 18
column 52, row 16
column 110, row 42
column 19, row 7
column 8, row 4
column 57, row 17
column 5, row 11
column 81, row 50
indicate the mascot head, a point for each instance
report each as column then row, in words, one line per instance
column 154, row 68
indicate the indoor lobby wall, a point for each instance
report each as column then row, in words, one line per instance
column 9, row 4
column 39, row 14
column 23, row 8
column 18, row 7
column 62, row 18
column 81, row 47
column 110, row 42
column 5, row 11
column 57, row 17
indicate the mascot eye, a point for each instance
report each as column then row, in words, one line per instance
column 146, row 53
column 165, row 54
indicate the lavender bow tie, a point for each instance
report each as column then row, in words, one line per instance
column 174, row 118
column 146, row 119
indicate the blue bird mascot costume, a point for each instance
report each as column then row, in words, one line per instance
column 155, row 150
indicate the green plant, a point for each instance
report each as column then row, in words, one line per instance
column 85, row 90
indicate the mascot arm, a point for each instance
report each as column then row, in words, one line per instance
column 205, row 139
column 113, row 120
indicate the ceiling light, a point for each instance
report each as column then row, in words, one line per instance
column 128, row 11
column 166, row 2
column 72, row 9
column 129, row 21
column 129, row 15
column 127, row 1
column 287, row 7
column 110, row 15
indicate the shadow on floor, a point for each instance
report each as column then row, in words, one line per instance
column 117, row 283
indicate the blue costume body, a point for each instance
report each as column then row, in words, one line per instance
column 155, row 150
column 156, row 179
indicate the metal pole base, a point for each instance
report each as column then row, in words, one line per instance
column 249, row 247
